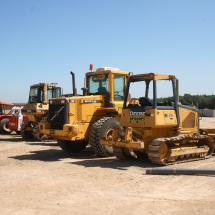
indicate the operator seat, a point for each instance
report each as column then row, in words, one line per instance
column 102, row 90
column 144, row 102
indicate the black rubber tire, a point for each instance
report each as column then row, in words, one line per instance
column 72, row 146
column 1, row 130
column 211, row 144
column 123, row 153
column 141, row 155
column 26, row 135
column 18, row 132
column 4, row 122
column 98, row 130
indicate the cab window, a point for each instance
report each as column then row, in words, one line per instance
column 119, row 87
column 54, row 92
column 98, row 84
column 34, row 96
column 165, row 96
column 140, row 94
column 57, row 92
column 50, row 94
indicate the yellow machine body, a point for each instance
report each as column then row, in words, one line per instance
column 79, row 112
column 155, row 123
column 37, row 106
column 165, row 133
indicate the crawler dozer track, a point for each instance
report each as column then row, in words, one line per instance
column 181, row 148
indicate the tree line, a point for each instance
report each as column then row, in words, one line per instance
column 201, row 101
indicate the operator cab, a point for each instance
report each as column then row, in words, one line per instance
column 146, row 96
column 38, row 92
column 107, row 81
column 151, row 91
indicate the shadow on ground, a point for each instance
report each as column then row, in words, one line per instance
column 18, row 138
column 53, row 155
column 85, row 158
column 53, row 144
column 113, row 163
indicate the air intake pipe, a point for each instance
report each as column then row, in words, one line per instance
column 74, row 90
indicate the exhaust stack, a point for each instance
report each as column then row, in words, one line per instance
column 74, row 90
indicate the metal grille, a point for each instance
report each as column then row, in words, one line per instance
column 57, row 116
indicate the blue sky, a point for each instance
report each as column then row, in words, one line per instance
column 42, row 40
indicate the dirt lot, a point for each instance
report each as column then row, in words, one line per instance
column 38, row 178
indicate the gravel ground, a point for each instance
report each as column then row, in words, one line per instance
column 38, row 178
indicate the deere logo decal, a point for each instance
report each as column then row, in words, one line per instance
column 136, row 117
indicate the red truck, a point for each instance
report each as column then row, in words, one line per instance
column 5, row 113
column 11, row 118
column 16, row 120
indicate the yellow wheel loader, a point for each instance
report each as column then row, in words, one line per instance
column 37, row 107
column 155, row 126
column 74, row 120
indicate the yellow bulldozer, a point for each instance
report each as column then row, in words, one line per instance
column 76, row 120
column 157, row 127
column 37, row 107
